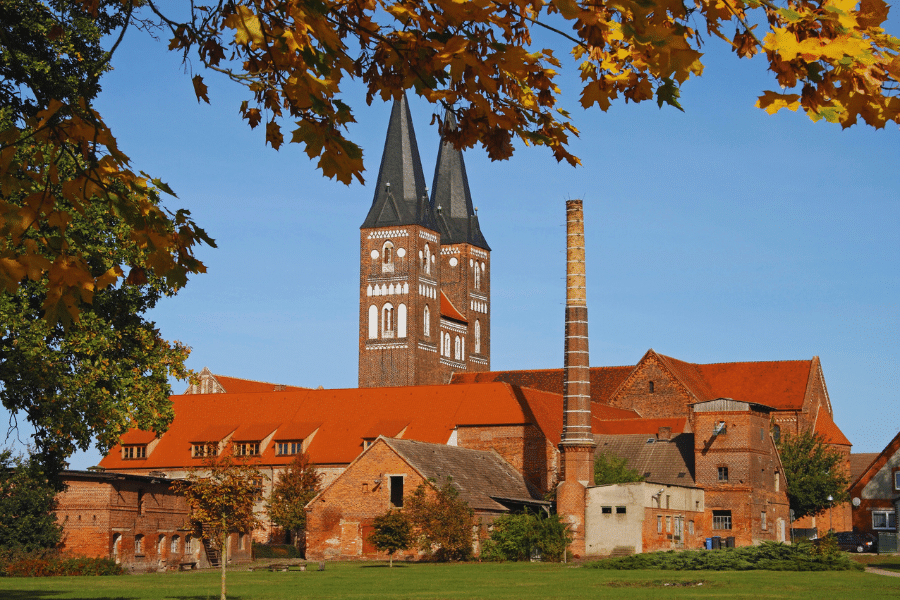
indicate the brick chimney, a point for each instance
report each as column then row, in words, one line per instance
column 577, row 445
column 665, row 433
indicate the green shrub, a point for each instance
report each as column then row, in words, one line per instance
column 49, row 563
column 275, row 551
column 770, row 556
column 514, row 536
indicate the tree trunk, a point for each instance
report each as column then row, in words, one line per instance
column 391, row 560
column 223, row 559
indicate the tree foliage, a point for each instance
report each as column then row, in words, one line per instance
column 27, row 503
column 294, row 488
column 609, row 468
column 515, row 536
column 830, row 58
column 222, row 497
column 105, row 373
column 813, row 471
column 442, row 521
column 393, row 532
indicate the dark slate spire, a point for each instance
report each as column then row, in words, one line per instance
column 400, row 188
column 450, row 197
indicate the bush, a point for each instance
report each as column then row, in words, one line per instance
column 770, row 556
column 513, row 537
column 276, row 551
column 49, row 563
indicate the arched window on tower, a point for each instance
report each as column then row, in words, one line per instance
column 387, row 260
column 457, row 349
column 427, row 260
column 387, row 321
column 373, row 322
column 477, row 277
column 477, row 336
column 426, row 325
column 401, row 321
column 446, row 350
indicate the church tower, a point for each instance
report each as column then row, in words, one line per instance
column 465, row 267
column 424, row 278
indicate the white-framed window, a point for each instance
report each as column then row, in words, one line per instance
column 387, row 257
column 174, row 546
column 477, row 336
column 134, row 452
column 721, row 519
column 373, row 322
column 204, row 450
column 289, row 447
column 658, row 523
column 138, row 544
column 763, row 522
column 884, row 519
column 426, row 322
column 897, row 480
column 690, row 527
column 247, row 449
column 723, row 474
column 401, row 321
column 387, row 321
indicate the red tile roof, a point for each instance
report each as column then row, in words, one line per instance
column 236, row 385
column 254, row 432
column 604, row 380
column 826, row 427
column 778, row 384
column 386, row 428
column 449, row 311
column 345, row 417
column 136, row 436
column 649, row 427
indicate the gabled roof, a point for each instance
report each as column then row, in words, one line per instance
column 892, row 449
column 451, row 200
column 222, row 384
column 400, row 192
column 859, row 462
column 479, row 476
column 449, row 311
column 829, row 430
column 604, row 381
column 342, row 418
column 660, row 461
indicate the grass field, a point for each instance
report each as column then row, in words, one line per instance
column 513, row 581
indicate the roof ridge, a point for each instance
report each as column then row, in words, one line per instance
column 217, row 375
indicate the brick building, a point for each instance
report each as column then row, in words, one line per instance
column 425, row 269
column 136, row 520
column 875, row 491
column 339, row 519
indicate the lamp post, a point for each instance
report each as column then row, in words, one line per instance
column 830, row 515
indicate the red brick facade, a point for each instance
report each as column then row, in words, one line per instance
column 525, row 447
column 402, row 329
column 138, row 521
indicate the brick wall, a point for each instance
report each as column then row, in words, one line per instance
column 522, row 446
column 668, row 399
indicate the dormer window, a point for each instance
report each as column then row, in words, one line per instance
column 289, row 447
column 246, row 449
column 134, row 452
column 204, row 450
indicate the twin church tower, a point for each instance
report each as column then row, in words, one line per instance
column 424, row 277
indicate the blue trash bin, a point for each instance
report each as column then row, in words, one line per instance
column 709, row 543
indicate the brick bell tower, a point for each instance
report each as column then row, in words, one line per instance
column 577, row 445
column 465, row 266
column 424, row 278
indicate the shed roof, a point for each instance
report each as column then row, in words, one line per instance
column 658, row 461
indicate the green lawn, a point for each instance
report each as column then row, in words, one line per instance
column 513, row 581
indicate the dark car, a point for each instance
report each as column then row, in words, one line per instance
column 853, row 541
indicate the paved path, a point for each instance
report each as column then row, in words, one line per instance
column 882, row 572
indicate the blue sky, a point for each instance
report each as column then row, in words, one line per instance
column 715, row 235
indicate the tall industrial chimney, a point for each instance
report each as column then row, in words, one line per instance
column 577, row 444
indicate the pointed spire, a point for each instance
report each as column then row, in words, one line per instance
column 401, row 181
column 457, row 218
